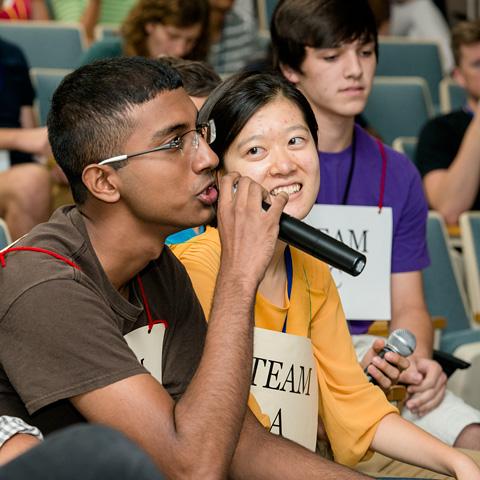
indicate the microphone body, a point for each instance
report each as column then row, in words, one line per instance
column 320, row 245
column 400, row 341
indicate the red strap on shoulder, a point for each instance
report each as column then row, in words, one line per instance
column 383, row 154
column 3, row 253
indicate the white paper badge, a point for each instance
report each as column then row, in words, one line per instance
column 366, row 297
column 148, row 347
column 285, row 385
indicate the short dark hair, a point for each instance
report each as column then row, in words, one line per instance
column 464, row 33
column 239, row 97
column 90, row 119
column 199, row 78
column 297, row 24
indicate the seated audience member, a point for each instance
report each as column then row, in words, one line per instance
column 267, row 131
column 106, row 293
column 91, row 12
column 158, row 27
column 233, row 36
column 422, row 19
column 199, row 78
column 24, row 185
column 448, row 150
column 23, row 10
column 332, row 59
column 82, row 452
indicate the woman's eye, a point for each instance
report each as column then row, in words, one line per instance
column 254, row 151
column 296, row 141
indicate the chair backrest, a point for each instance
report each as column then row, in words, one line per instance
column 265, row 10
column 470, row 231
column 407, row 146
column 452, row 95
column 46, row 81
column 404, row 57
column 398, row 107
column 444, row 293
column 104, row 30
column 4, row 235
column 46, row 44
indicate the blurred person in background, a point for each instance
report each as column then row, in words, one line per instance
column 153, row 28
column 24, row 10
column 448, row 151
column 24, row 184
column 234, row 37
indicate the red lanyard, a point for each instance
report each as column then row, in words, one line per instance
column 151, row 321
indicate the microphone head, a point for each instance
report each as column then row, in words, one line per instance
column 402, row 341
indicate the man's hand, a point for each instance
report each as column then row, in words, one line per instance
column 248, row 233
column 426, row 385
column 386, row 371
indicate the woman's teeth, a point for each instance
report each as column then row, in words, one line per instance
column 288, row 189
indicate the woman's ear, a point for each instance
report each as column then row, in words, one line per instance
column 102, row 181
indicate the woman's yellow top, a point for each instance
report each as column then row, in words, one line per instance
column 349, row 406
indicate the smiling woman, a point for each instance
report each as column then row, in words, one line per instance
column 306, row 382
column 266, row 130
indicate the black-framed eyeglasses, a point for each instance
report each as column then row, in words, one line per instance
column 179, row 143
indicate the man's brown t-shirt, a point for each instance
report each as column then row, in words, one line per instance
column 62, row 328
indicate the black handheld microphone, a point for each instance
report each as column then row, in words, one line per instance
column 319, row 244
column 400, row 341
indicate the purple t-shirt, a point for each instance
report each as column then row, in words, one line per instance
column 403, row 193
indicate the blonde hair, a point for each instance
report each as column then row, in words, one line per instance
column 179, row 13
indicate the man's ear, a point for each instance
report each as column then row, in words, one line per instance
column 458, row 76
column 102, row 181
column 290, row 74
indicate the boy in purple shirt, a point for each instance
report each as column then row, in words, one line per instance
column 328, row 49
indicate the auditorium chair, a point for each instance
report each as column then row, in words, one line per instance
column 452, row 95
column 4, row 235
column 398, row 107
column 406, row 57
column 46, row 44
column 45, row 81
column 407, row 146
column 106, row 30
column 446, row 297
column 265, row 10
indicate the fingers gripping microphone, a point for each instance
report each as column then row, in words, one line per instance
column 319, row 244
column 400, row 341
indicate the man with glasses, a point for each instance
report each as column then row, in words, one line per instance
column 99, row 322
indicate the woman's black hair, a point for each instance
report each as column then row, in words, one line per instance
column 237, row 99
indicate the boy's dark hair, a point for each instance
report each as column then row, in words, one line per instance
column 464, row 33
column 297, row 24
column 237, row 99
column 199, row 78
column 90, row 119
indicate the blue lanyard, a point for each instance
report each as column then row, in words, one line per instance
column 289, row 268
